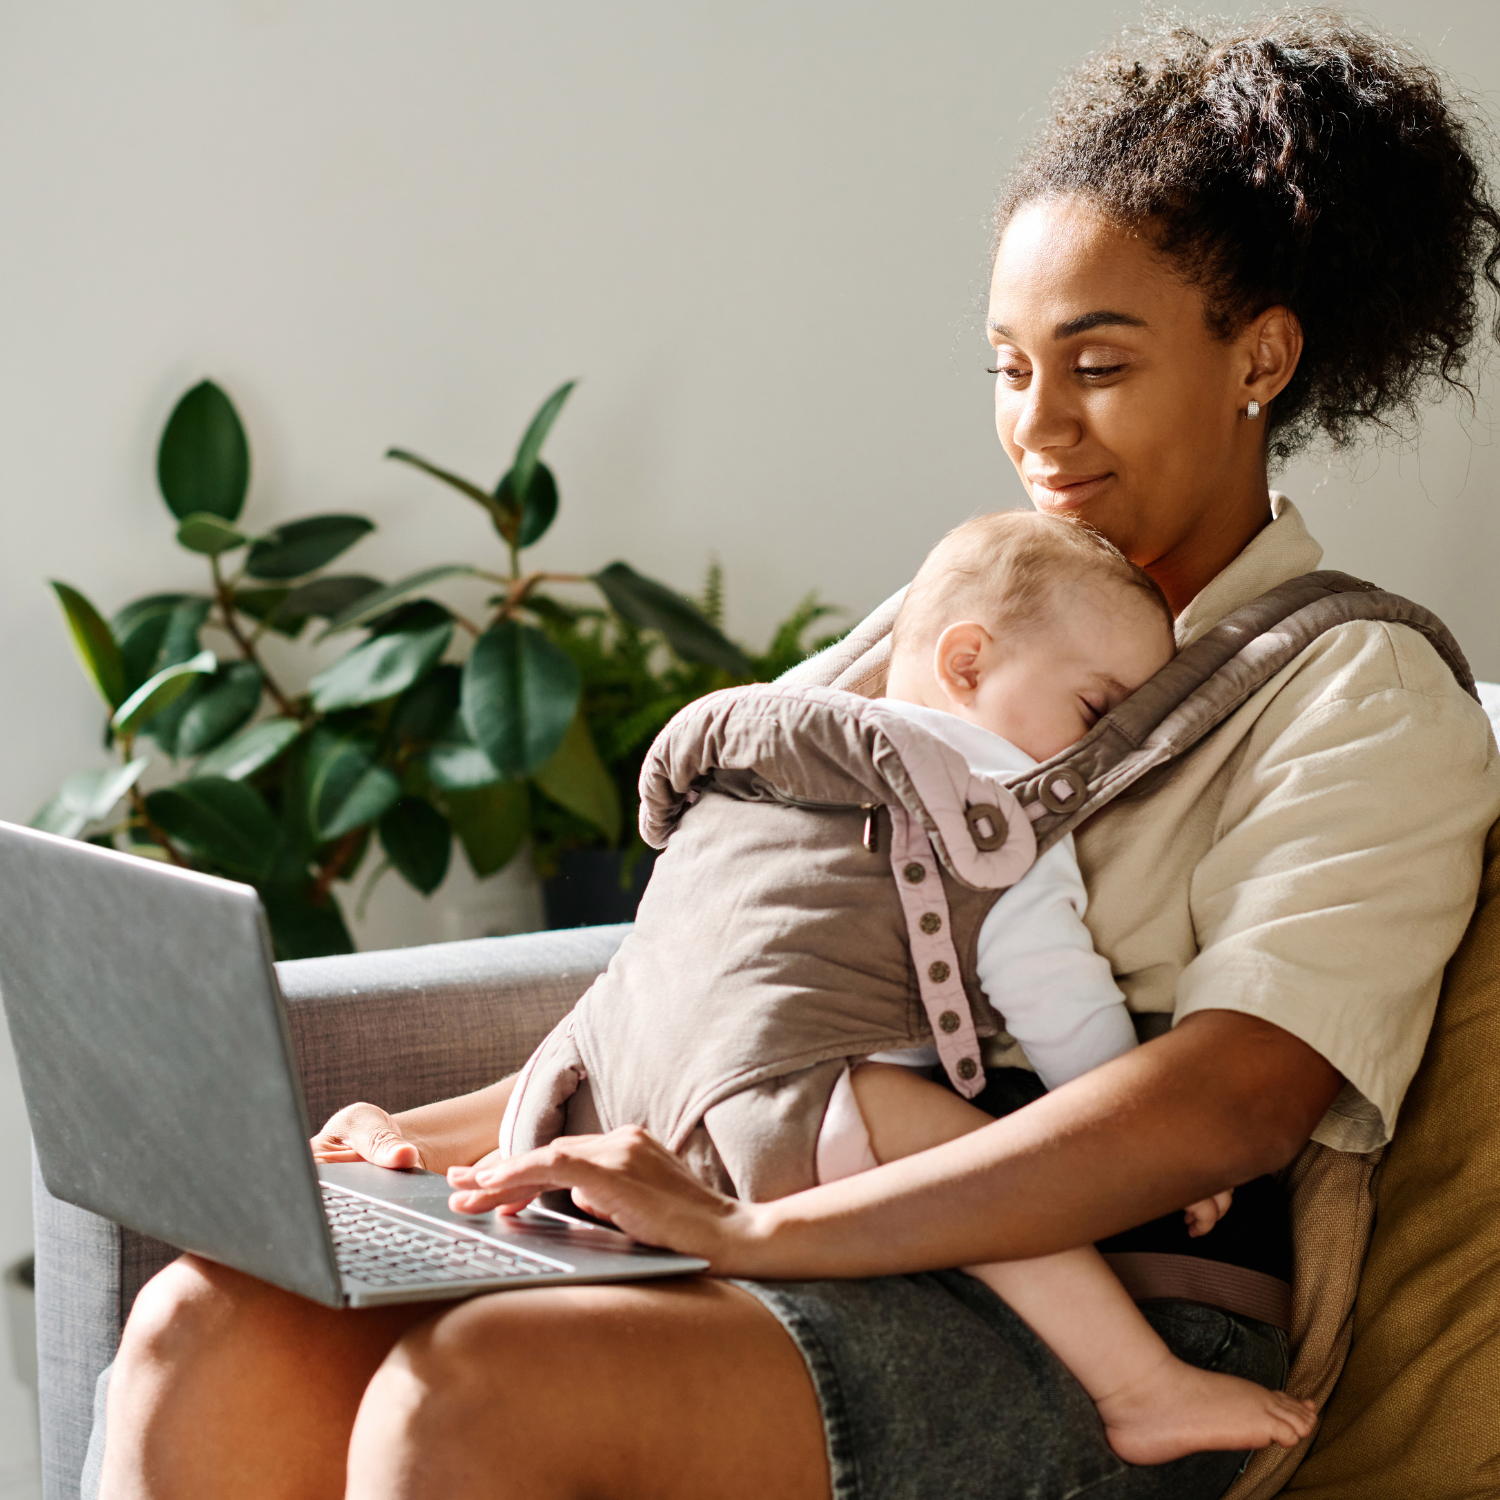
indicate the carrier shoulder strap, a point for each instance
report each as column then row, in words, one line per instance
column 1203, row 684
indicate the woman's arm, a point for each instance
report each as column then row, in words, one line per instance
column 450, row 1133
column 1221, row 1099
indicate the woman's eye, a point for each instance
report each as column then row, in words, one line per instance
column 1011, row 373
column 1098, row 372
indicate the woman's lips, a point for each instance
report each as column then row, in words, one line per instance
column 1060, row 492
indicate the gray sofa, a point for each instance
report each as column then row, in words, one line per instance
column 400, row 1029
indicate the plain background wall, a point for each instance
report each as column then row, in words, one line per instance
column 758, row 234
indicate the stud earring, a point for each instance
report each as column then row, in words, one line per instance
column 1252, row 411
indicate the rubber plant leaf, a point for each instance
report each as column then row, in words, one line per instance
column 345, row 787
column 297, row 548
column 539, row 509
column 157, row 692
column 380, row 667
column 303, row 927
column 88, row 797
column 501, row 513
column 229, row 700
column 203, row 463
column 653, row 606
column 222, row 823
column 209, row 534
column 325, row 597
column 372, row 605
column 249, row 751
column 418, row 842
column 491, row 823
column 529, row 451
column 95, row 644
column 577, row 779
column 519, row 694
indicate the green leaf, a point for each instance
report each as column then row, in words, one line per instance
column 372, row 605
column 269, row 606
column 221, row 822
column 301, row 927
column 206, row 533
column 530, row 450
column 653, row 606
column 157, row 692
column 159, row 631
column 455, row 763
column 491, row 822
column 296, row 548
column 457, row 481
column 203, row 464
column 577, row 779
column 229, row 700
column 325, row 597
column 520, row 692
column 251, row 749
column 345, row 788
column 540, row 507
column 417, row 840
column 95, row 644
column 380, row 667
column 427, row 708
column 88, row 797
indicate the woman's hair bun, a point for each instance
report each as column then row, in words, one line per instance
column 1302, row 161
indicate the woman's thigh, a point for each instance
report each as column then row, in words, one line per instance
column 687, row 1388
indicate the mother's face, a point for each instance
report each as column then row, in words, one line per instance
column 1117, row 404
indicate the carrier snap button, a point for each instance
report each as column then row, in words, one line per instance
column 967, row 1068
column 930, row 922
column 914, row 873
column 938, row 972
column 949, row 1021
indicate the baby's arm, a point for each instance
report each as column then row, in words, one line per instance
column 1038, row 968
column 1037, row 965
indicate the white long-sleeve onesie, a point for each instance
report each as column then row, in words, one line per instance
column 1035, row 958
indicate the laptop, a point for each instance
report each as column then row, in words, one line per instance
column 159, row 1077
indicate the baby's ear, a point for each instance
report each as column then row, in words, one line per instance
column 956, row 658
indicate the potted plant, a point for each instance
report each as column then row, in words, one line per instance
column 524, row 716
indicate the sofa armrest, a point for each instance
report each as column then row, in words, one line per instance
column 399, row 1028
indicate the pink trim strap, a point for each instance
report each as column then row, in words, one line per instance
column 929, row 932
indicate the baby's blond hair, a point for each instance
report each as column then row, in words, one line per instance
column 1002, row 570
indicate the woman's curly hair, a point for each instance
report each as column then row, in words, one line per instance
column 1296, row 161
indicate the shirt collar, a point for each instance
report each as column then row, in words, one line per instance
column 1278, row 552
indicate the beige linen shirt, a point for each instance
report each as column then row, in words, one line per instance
column 1315, row 860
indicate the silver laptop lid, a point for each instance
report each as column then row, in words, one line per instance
column 155, row 1058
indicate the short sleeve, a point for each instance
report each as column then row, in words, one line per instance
column 1345, row 864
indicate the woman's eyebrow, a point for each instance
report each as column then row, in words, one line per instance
column 1081, row 324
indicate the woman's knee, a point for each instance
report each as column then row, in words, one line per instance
column 191, row 1305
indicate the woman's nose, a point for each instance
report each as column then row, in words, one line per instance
column 1043, row 416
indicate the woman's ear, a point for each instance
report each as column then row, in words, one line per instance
column 955, row 660
column 1273, row 346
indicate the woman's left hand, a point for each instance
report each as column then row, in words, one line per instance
column 627, row 1178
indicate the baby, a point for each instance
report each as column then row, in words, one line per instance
column 1032, row 655
column 749, row 1019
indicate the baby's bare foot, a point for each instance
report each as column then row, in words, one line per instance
column 1182, row 1410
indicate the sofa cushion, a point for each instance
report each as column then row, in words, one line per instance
column 1413, row 1416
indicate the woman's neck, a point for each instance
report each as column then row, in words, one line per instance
column 1186, row 568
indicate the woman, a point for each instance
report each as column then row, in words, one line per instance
column 1218, row 248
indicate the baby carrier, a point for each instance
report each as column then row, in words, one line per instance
column 827, row 867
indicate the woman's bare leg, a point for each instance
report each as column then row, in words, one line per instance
column 229, row 1387
column 682, row 1389
column 225, row 1386
column 1154, row 1406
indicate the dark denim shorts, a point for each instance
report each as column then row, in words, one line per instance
column 933, row 1389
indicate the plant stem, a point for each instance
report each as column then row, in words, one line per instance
column 247, row 648
column 138, row 803
column 515, row 594
column 327, row 873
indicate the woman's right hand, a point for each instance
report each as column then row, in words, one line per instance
column 365, row 1132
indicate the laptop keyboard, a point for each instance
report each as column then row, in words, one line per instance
column 383, row 1249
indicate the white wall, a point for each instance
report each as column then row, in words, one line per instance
column 758, row 233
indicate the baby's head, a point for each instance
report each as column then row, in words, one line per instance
column 1030, row 626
